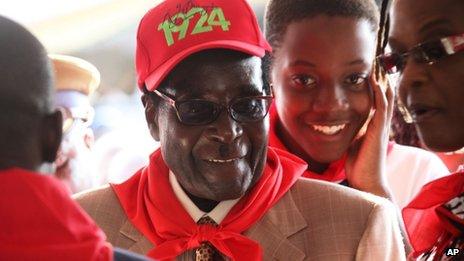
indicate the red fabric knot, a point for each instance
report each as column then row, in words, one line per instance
column 204, row 232
column 426, row 219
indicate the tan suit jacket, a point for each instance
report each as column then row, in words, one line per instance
column 315, row 220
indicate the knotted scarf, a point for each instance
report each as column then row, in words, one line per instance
column 151, row 205
column 426, row 219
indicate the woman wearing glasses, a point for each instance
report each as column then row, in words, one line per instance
column 427, row 43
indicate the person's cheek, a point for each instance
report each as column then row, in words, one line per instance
column 258, row 135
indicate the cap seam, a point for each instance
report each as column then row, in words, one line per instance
column 145, row 51
column 254, row 21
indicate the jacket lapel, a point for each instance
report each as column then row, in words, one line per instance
column 135, row 241
column 274, row 238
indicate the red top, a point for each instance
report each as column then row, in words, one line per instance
column 151, row 205
column 39, row 221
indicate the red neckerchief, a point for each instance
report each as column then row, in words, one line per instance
column 39, row 221
column 336, row 170
column 425, row 218
column 152, row 206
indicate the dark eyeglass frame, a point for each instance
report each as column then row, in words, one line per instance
column 175, row 104
column 422, row 53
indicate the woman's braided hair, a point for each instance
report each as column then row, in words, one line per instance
column 401, row 131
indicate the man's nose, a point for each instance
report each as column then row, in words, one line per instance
column 224, row 129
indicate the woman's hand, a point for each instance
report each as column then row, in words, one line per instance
column 365, row 167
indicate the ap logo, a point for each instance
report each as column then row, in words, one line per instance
column 452, row 252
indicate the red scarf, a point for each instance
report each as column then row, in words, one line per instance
column 39, row 221
column 425, row 218
column 152, row 206
column 336, row 170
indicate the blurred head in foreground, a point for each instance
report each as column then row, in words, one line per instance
column 29, row 126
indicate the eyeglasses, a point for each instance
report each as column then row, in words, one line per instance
column 201, row 112
column 428, row 52
column 70, row 115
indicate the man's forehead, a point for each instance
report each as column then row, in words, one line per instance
column 219, row 91
column 217, row 58
column 201, row 77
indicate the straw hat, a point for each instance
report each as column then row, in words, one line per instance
column 72, row 73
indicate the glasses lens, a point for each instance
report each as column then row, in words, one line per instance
column 67, row 119
column 67, row 124
column 429, row 52
column 250, row 109
column 391, row 62
column 197, row 112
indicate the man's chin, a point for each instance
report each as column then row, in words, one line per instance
column 228, row 196
column 440, row 146
column 229, row 190
column 439, row 141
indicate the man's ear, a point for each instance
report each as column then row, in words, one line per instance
column 51, row 135
column 89, row 138
column 151, row 115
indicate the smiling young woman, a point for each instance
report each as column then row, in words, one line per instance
column 329, row 110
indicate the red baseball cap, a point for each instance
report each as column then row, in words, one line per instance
column 175, row 29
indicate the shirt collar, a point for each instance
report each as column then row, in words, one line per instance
column 217, row 214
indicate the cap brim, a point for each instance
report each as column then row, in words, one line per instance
column 155, row 78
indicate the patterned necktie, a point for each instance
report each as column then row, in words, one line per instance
column 206, row 251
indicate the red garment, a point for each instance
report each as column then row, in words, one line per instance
column 336, row 170
column 39, row 221
column 424, row 216
column 152, row 206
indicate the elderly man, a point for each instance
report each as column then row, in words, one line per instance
column 214, row 190
column 427, row 42
column 75, row 80
column 38, row 219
